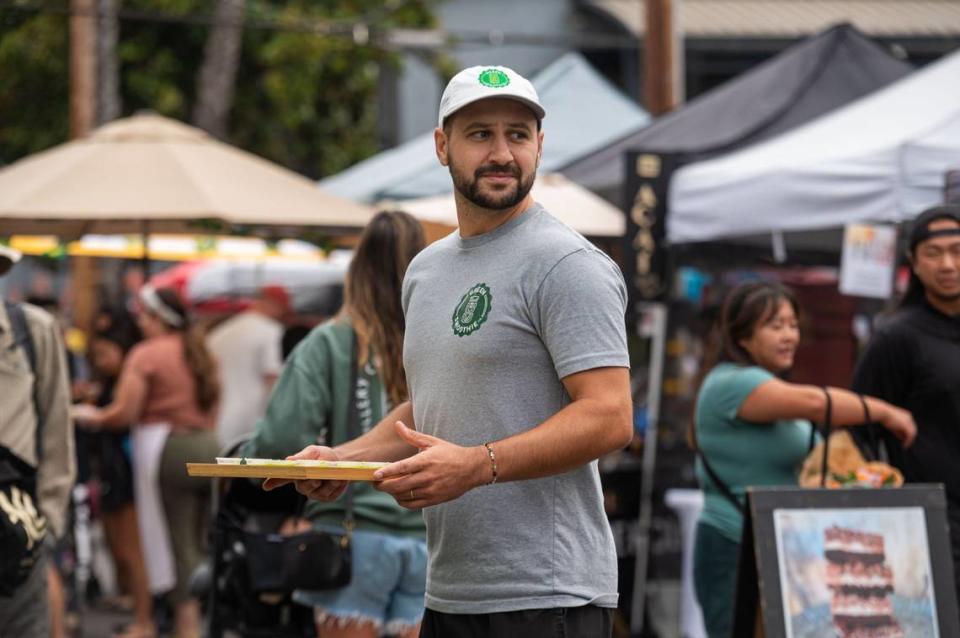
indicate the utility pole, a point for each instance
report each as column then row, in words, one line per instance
column 83, row 113
column 83, row 66
column 662, row 57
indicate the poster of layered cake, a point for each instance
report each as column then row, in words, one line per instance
column 855, row 573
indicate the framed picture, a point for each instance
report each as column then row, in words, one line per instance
column 849, row 563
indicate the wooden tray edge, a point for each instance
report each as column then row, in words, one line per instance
column 216, row 470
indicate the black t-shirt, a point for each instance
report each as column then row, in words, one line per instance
column 914, row 362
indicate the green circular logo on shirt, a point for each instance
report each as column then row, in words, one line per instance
column 472, row 310
column 494, row 78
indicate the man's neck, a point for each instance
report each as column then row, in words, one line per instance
column 949, row 307
column 474, row 220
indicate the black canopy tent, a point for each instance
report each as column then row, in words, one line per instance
column 803, row 82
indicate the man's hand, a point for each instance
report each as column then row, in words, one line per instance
column 439, row 472
column 316, row 489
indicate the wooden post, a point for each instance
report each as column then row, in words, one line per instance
column 660, row 92
column 83, row 82
column 83, row 66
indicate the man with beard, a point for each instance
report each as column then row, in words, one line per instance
column 515, row 354
column 914, row 361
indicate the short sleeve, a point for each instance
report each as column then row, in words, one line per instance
column 730, row 387
column 271, row 352
column 579, row 312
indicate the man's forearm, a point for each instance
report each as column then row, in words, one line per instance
column 576, row 435
column 382, row 443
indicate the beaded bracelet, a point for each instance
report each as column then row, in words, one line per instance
column 493, row 462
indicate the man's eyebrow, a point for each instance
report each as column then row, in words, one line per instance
column 479, row 124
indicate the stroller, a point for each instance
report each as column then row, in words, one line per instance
column 242, row 509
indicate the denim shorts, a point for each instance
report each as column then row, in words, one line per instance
column 386, row 588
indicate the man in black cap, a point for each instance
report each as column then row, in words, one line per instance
column 913, row 361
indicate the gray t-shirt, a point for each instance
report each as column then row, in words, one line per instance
column 494, row 322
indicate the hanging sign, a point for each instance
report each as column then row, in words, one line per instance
column 868, row 260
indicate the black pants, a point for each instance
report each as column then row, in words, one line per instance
column 560, row 622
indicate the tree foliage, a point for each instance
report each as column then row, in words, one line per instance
column 306, row 100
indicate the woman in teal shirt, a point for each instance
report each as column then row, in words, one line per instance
column 310, row 404
column 753, row 428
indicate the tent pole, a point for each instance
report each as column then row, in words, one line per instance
column 657, row 312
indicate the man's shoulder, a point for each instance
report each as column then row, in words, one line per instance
column 42, row 326
column 37, row 318
column 247, row 323
column 899, row 326
column 432, row 251
column 552, row 235
column 555, row 241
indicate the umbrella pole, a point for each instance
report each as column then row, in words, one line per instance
column 145, row 257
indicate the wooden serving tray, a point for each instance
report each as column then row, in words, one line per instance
column 296, row 472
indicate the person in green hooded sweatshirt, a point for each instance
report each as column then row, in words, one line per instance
column 310, row 405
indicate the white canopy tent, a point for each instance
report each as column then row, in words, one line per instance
column 881, row 158
column 574, row 205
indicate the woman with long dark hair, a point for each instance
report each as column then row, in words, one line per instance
column 311, row 403
column 753, row 428
column 169, row 389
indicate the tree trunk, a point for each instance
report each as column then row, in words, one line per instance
column 109, row 104
column 217, row 76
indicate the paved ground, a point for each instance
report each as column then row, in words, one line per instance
column 97, row 622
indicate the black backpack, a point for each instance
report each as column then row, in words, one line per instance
column 22, row 525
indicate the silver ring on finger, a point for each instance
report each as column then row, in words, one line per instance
column 412, row 497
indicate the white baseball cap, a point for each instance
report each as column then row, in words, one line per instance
column 482, row 82
column 8, row 257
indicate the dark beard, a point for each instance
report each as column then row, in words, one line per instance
column 497, row 201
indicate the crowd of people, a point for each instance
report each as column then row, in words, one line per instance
column 489, row 370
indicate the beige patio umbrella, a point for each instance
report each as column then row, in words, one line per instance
column 150, row 173
column 569, row 202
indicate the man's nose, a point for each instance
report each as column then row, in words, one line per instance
column 500, row 151
column 950, row 260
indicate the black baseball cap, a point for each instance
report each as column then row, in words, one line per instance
column 920, row 230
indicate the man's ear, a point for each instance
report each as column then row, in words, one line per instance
column 440, row 143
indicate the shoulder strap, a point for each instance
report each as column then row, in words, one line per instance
column 873, row 441
column 353, row 419
column 827, row 422
column 23, row 339
column 721, row 485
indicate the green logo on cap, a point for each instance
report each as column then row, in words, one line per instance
column 494, row 78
